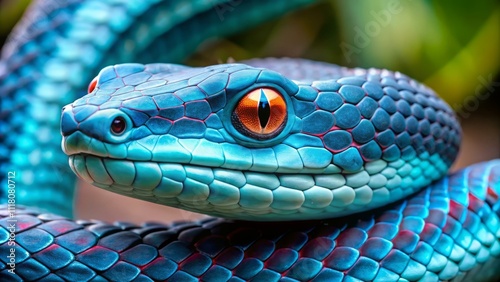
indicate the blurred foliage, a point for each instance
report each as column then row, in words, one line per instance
column 452, row 46
column 10, row 12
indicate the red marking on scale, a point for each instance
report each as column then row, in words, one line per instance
column 492, row 193
column 23, row 225
column 63, row 228
column 81, row 240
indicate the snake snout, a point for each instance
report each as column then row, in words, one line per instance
column 88, row 135
column 110, row 125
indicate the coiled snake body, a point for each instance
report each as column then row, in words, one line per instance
column 263, row 140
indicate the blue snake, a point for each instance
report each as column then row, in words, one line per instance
column 351, row 162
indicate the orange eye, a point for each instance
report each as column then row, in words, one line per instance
column 261, row 113
column 92, row 85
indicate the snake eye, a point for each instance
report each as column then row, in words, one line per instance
column 260, row 114
column 92, row 85
column 118, row 125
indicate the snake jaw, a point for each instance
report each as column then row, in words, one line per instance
column 226, row 190
column 254, row 195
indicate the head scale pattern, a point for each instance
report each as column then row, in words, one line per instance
column 350, row 143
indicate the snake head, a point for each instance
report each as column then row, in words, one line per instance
column 128, row 102
column 248, row 142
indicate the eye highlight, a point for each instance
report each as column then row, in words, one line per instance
column 260, row 114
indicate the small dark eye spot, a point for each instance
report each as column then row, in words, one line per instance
column 118, row 125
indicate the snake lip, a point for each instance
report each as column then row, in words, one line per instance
column 280, row 159
column 331, row 169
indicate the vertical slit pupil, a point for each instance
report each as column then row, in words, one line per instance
column 264, row 109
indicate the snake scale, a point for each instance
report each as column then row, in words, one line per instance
column 351, row 162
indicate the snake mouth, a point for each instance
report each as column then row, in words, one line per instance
column 215, row 191
column 227, row 192
column 280, row 159
column 127, row 174
column 253, row 195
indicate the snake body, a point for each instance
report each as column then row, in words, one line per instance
column 328, row 142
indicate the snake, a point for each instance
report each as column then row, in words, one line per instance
column 310, row 171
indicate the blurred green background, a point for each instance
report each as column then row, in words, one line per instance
column 452, row 46
column 445, row 44
column 449, row 45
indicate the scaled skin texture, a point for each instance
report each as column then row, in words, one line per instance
column 443, row 232
column 350, row 139
column 340, row 148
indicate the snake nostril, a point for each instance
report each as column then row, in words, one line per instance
column 68, row 123
column 118, row 125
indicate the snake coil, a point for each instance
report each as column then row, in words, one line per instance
column 352, row 162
